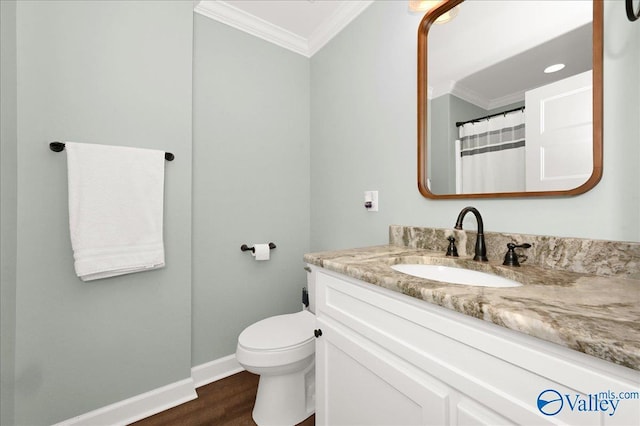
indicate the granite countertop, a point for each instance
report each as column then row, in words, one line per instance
column 593, row 314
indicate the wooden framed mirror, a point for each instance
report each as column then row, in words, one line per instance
column 491, row 122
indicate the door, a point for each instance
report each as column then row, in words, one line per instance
column 559, row 134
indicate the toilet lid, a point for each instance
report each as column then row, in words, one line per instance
column 279, row 332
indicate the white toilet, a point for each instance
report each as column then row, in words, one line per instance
column 281, row 349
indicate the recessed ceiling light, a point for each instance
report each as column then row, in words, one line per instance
column 553, row 68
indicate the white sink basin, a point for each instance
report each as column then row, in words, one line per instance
column 451, row 275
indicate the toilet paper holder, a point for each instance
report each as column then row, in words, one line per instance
column 245, row 247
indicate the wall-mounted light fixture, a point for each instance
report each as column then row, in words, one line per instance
column 418, row 6
column 632, row 14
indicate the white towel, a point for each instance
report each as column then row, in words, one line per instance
column 115, row 209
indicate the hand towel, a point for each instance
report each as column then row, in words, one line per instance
column 115, row 209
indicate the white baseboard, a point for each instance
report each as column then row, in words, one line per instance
column 217, row 369
column 138, row 407
column 160, row 399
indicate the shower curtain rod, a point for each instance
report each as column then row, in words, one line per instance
column 476, row 120
column 59, row 147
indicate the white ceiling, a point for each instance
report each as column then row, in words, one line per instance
column 465, row 55
column 303, row 26
column 488, row 36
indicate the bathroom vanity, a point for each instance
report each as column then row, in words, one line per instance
column 396, row 349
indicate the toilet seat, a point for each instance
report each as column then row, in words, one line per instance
column 279, row 333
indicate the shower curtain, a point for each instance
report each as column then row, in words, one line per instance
column 490, row 155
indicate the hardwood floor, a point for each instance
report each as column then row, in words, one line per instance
column 227, row 402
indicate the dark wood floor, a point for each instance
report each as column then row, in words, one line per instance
column 226, row 402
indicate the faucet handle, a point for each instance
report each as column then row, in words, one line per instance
column 511, row 257
column 525, row 245
column 452, row 250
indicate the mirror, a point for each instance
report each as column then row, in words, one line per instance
column 491, row 122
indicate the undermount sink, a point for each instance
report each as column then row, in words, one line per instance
column 451, row 275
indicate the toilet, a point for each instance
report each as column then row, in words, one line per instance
column 281, row 349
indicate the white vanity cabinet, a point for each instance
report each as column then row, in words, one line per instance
column 388, row 359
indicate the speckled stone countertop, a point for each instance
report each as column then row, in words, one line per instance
column 594, row 313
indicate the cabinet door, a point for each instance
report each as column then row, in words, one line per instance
column 470, row 413
column 360, row 383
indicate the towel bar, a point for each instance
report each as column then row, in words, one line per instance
column 59, row 146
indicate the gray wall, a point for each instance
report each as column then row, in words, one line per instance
column 8, row 187
column 441, row 171
column 112, row 73
column 363, row 137
column 250, row 183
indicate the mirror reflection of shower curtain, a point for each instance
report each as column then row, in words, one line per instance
column 490, row 155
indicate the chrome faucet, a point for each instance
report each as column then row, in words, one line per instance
column 481, row 248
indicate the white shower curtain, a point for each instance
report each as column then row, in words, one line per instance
column 490, row 155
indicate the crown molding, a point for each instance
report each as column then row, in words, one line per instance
column 444, row 88
column 466, row 94
column 469, row 95
column 507, row 100
column 224, row 12
column 342, row 17
column 475, row 98
column 243, row 21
